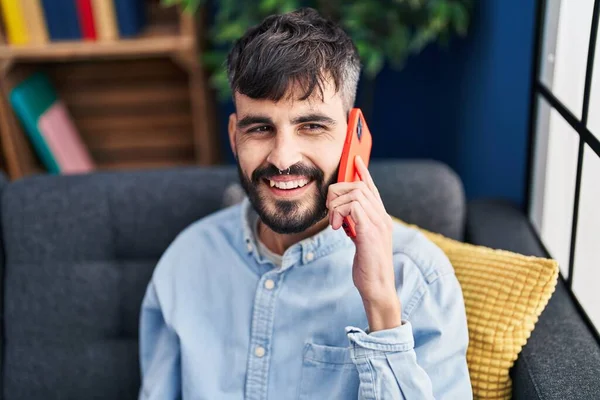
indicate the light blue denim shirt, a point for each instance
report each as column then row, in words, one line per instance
column 220, row 321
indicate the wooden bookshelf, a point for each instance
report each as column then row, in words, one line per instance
column 156, row 40
column 141, row 102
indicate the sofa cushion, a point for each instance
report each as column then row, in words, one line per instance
column 80, row 251
column 504, row 293
column 562, row 358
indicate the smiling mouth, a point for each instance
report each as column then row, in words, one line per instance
column 288, row 184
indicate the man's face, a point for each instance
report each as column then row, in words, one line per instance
column 305, row 136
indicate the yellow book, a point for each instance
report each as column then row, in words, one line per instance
column 14, row 22
column 35, row 21
column 105, row 19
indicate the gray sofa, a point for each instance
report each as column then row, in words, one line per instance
column 78, row 252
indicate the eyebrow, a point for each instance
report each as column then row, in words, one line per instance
column 260, row 119
column 253, row 119
column 315, row 117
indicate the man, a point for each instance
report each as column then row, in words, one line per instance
column 269, row 299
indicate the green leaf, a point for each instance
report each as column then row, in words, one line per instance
column 441, row 10
column 288, row 6
column 397, row 45
column 193, row 5
column 219, row 82
column 362, row 46
column 229, row 32
column 374, row 63
column 423, row 37
column 214, row 59
column 189, row 6
column 268, row 6
column 460, row 17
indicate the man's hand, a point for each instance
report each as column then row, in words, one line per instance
column 373, row 269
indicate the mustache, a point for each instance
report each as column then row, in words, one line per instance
column 296, row 169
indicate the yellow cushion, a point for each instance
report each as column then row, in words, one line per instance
column 504, row 294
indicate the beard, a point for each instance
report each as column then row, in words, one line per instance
column 288, row 216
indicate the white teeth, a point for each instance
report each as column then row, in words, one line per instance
column 288, row 185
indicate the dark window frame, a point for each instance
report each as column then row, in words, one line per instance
column 540, row 91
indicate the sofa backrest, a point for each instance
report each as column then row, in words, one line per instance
column 80, row 251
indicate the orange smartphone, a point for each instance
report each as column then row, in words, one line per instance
column 358, row 142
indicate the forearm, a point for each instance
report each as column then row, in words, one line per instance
column 384, row 314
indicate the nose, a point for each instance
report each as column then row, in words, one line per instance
column 285, row 151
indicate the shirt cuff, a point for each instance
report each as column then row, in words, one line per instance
column 387, row 340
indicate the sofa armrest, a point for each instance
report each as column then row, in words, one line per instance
column 561, row 359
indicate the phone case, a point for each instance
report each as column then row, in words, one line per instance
column 358, row 142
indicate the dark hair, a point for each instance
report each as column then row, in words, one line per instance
column 298, row 48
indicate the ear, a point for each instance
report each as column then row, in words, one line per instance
column 231, row 128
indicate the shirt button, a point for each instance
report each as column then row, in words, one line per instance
column 259, row 351
column 249, row 246
column 269, row 284
column 310, row 256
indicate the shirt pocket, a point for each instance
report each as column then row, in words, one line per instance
column 328, row 373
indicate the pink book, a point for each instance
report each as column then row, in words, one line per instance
column 64, row 141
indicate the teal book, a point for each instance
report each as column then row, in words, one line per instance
column 30, row 100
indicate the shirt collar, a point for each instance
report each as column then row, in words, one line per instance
column 304, row 252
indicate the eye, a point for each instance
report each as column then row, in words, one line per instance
column 313, row 128
column 259, row 129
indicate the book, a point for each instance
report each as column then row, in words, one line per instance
column 86, row 19
column 62, row 20
column 62, row 137
column 105, row 19
column 35, row 21
column 49, row 127
column 14, row 21
column 131, row 16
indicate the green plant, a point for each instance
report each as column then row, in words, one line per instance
column 383, row 30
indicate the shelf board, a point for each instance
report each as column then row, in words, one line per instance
column 156, row 40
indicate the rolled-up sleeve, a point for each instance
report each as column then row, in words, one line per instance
column 425, row 357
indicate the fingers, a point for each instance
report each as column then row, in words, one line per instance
column 365, row 198
column 359, row 199
column 339, row 189
column 363, row 172
column 365, row 175
column 353, row 210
